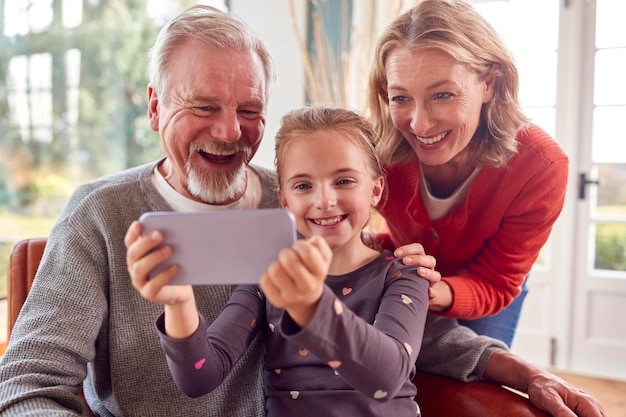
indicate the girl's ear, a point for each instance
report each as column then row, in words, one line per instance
column 377, row 191
column 281, row 199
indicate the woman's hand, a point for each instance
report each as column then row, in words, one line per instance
column 295, row 281
column 440, row 297
column 413, row 254
column 439, row 292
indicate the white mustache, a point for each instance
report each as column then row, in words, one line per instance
column 219, row 148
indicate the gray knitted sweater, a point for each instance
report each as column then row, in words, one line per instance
column 83, row 323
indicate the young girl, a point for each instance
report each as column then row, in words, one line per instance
column 342, row 323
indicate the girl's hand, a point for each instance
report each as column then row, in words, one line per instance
column 142, row 257
column 295, row 281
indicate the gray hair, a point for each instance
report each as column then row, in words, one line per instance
column 213, row 27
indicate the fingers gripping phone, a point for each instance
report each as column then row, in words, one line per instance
column 221, row 247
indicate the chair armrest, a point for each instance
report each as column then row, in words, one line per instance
column 86, row 410
column 23, row 265
column 439, row 396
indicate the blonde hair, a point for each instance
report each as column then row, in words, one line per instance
column 457, row 29
column 315, row 119
column 214, row 28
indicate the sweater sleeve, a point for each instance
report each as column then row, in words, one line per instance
column 374, row 359
column 200, row 363
column 46, row 361
column 455, row 351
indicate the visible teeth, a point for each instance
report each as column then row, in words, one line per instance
column 327, row 222
column 217, row 148
column 431, row 140
column 218, row 153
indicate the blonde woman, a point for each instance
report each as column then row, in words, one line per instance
column 470, row 178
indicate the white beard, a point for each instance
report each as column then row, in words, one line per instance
column 217, row 187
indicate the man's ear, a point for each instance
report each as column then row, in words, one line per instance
column 153, row 108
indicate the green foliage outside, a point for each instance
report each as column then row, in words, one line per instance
column 610, row 247
column 15, row 228
column 610, row 244
column 112, row 133
column 5, row 251
column 42, row 163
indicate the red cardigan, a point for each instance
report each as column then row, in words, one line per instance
column 487, row 244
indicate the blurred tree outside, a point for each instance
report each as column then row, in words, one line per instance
column 610, row 234
column 73, row 107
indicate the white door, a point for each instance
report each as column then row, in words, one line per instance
column 538, row 330
column 572, row 60
column 599, row 313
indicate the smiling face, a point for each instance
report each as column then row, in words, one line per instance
column 435, row 102
column 211, row 120
column 328, row 186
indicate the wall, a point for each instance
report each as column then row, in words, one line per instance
column 272, row 21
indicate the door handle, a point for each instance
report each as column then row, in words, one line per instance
column 583, row 182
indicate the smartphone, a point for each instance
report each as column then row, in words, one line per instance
column 221, row 247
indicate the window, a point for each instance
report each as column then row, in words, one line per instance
column 608, row 152
column 538, row 86
column 72, row 104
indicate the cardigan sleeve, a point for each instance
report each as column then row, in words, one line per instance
column 495, row 275
column 487, row 243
